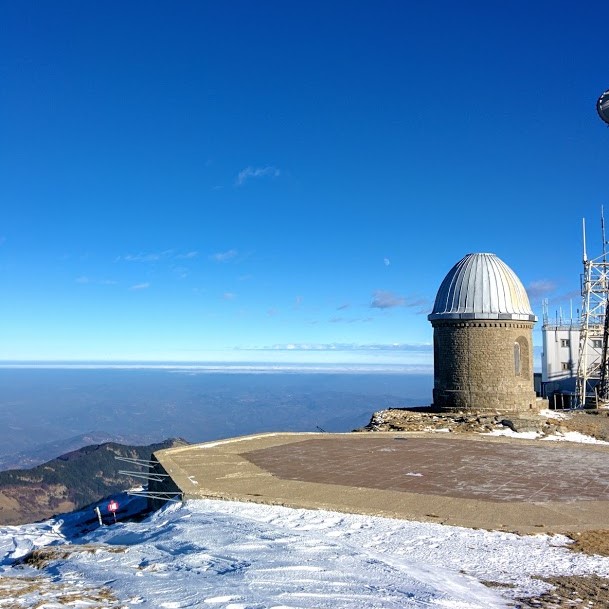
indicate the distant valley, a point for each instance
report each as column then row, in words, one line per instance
column 50, row 450
column 47, row 412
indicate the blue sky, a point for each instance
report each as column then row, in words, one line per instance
column 201, row 180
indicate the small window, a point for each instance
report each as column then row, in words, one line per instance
column 597, row 343
column 566, row 365
column 517, row 365
column 564, row 342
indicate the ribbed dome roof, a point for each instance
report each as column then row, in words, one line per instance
column 481, row 286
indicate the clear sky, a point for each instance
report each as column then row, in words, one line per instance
column 204, row 180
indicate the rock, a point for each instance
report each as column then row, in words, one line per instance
column 523, row 424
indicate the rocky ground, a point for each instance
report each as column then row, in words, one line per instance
column 568, row 592
column 594, row 423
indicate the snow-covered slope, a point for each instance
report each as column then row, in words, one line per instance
column 242, row 555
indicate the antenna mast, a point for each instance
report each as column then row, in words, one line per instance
column 584, row 238
column 593, row 362
column 603, row 234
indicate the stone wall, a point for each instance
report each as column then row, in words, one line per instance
column 483, row 365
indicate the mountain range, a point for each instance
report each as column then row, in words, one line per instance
column 71, row 481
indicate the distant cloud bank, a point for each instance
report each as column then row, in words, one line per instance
column 419, row 348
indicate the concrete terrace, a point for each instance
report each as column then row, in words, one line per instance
column 462, row 480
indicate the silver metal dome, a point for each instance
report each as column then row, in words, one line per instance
column 481, row 286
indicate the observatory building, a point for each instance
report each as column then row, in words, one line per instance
column 482, row 336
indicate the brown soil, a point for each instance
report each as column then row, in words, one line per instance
column 41, row 557
column 578, row 591
column 38, row 592
column 593, row 423
column 590, row 542
column 575, row 591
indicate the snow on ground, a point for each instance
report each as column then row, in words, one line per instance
column 554, row 414
column 575, row 436
column 568, row 436
column 230, row 555
column 506, row 431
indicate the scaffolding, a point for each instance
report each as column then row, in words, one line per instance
column 150, row 476
column 592, row 382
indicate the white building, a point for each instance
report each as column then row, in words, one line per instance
column 575, row 355
column 560, row 357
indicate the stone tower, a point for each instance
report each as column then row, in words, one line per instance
column 482, row 336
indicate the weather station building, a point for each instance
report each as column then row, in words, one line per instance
column 559, row 358
column 483, row 344
column 575, row 358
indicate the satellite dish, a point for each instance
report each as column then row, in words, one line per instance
column 602, row 106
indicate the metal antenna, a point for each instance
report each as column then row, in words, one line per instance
column 584, row 238
column 603, row 234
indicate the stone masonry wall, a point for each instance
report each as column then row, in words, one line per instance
column 475, row 365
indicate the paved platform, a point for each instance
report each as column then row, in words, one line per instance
column 464, row 480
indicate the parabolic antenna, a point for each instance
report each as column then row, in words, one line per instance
column 602, row 106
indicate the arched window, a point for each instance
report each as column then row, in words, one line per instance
column 436, row 361
column 522, row 358
column 517, row 360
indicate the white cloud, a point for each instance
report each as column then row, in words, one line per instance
column 350, row 320
column 540, row 288
column 228, row 296
column 84, row 279
column 572, row 295
column 181, row 272
column 256, row 172
column 140, row 286
column 382, row 299
column 224, row 256
column 169, row 254
column 188, row 255
column 142, row 257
